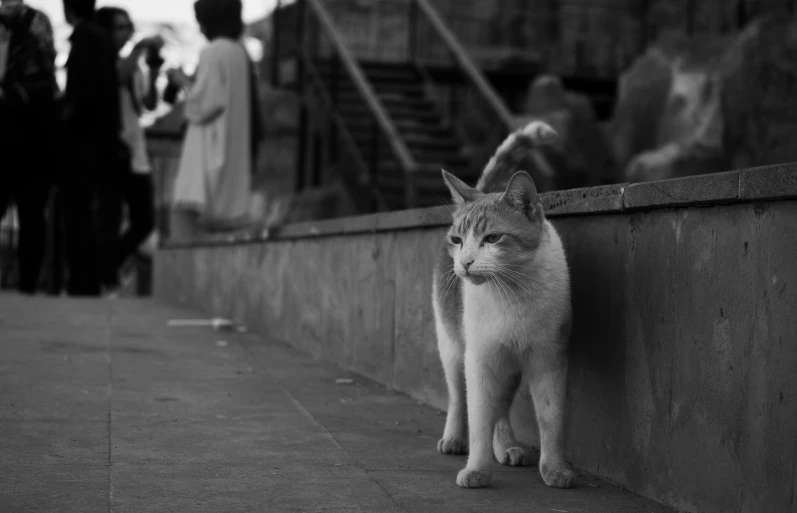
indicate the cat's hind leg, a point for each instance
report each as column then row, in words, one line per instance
column 507, row 450
column 549, row 390
column 452, row 353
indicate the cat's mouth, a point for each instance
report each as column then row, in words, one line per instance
column 475, row 279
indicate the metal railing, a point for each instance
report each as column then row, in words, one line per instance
column 468, row 99
column 316, row 42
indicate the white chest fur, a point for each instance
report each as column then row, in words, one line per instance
column 490, row 318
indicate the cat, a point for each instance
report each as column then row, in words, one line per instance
column 501, row 300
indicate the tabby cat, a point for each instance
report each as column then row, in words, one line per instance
column 501, row 300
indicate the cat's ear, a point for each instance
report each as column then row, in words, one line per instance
column 521, row 193
column 460, row 192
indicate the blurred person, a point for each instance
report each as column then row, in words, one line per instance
column 212, row 187
column 137, row 93
column 92, row 128
column 28, row 118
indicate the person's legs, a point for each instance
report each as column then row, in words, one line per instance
column 56, row 261
column 78, row 192
column 6, row 197
column 31, row 200
column 108, row 218
column 141, row 215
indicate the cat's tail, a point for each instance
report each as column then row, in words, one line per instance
column 512, row 152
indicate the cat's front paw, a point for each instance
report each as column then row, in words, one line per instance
column 557, row 476
column 468, row 478
column 452, row 446
column 519, row 457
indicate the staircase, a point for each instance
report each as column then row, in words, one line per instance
column 429, row 137
column 386, row 127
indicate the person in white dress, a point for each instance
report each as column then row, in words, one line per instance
column 212, row 186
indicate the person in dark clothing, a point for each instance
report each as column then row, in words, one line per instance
column 90, row 181
column 136, row 94
column 28, row 117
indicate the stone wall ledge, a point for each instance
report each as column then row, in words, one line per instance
column 775, row 182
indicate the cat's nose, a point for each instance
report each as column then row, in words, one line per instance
column 466, row 263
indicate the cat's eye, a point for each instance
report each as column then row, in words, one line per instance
column 493, row 238
column 456, row 241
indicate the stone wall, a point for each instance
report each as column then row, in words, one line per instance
column 682, row 383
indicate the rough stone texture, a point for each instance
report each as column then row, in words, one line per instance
column 416, row 364
column 682, row 385
column 779, row 181
column 189, row 424
column 692, row 190
column 606, row 198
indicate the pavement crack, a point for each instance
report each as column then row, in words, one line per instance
column 304, row 411
column 108, row 338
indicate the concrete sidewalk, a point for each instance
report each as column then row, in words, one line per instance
column 105, row 408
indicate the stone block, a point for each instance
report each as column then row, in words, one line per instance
column 416, row 363
column 693, row 190
column 771, row 182
column 733, row 359
column 591, row 200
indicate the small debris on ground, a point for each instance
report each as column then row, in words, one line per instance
column 594, row 486
column 560, row 510
column 344, row 381
column 217, row 323
column 222, row 343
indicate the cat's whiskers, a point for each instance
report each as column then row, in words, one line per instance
column 451, row 278
column 446, row 204
column 529, row 280
column 507, row 287
column 516, row 274
column 524, row 267
column 520, row 285
column 501, row 288
column 494, row 280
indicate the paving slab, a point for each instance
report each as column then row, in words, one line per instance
column 54, row 488
column 104, row 407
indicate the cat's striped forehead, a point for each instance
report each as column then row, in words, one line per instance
column 475, row 220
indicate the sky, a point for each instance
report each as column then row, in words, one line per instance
column 175, row 11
